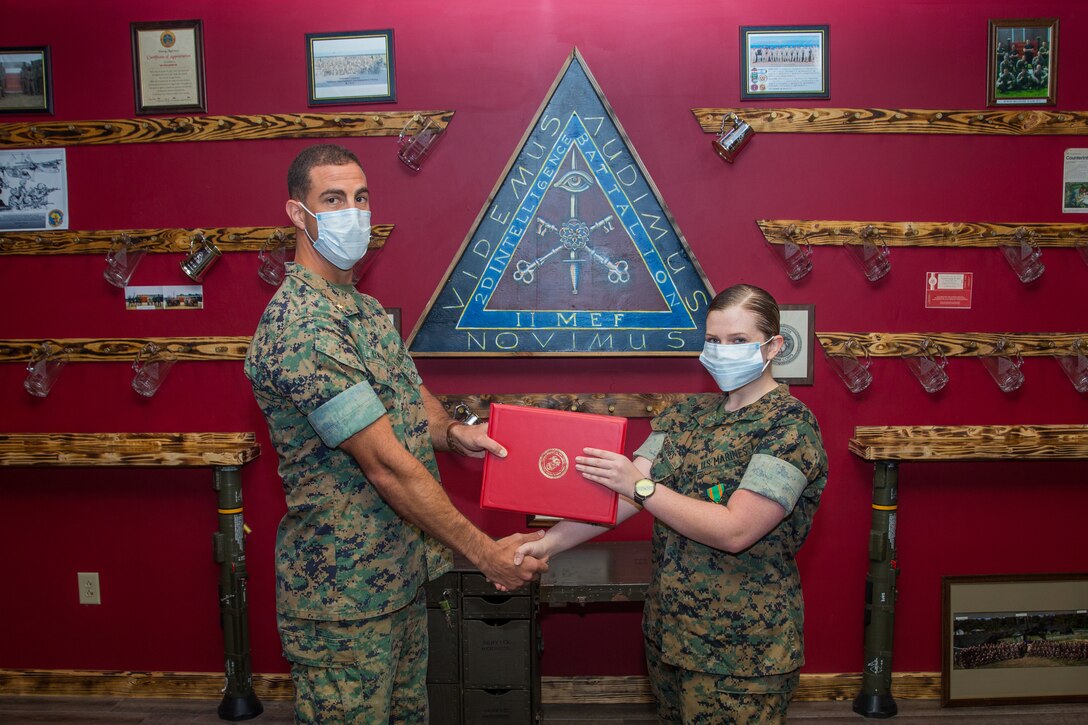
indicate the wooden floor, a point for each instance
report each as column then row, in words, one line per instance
column 125, row 711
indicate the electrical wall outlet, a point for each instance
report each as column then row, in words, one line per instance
column 89, row 593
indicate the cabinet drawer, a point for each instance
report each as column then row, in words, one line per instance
column 496, row 654
column 497, row 607
column 509, row 707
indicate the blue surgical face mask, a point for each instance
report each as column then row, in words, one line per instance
column 733, row 366
column 342, row 236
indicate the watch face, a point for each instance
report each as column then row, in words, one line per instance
column 644, row 487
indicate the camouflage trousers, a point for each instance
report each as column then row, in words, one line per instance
column 705, row 698
column 359, row 672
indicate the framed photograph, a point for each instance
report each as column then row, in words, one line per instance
column 793, row 365
column 784, row 62
column 354, row 67
column 168, row 67
column 26, row 84
column 1022, row 62
column 1012, row 639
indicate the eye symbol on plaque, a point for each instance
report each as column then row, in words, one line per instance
column 553, row 463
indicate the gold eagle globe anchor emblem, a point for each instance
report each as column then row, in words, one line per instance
column 553, row 463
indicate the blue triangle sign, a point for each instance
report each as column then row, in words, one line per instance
column 575, row 252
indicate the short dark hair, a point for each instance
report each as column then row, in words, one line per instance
column 324, row 154
column 756, row 300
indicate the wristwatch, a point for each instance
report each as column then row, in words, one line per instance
column 644, row 488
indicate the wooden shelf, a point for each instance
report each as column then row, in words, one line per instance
column 919, row 234
column 953, row 344
column 128, row 449
column 40, row 134
column 628, row 405
column 989, row 122
column 89, row 349
column 155, row 241
column 970, row 443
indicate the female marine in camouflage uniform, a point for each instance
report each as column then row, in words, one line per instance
column 733, row 485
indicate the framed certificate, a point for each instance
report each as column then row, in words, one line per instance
column 168, row 67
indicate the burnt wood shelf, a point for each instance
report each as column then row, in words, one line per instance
column 953, row 344
column 970, row 442
column 38, row 134
column 88, row 349
column 919, row 234
column 987, row 122
column 227, row 239
column 192, row 450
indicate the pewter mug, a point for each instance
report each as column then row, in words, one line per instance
column 202, row 255
column 729, row 143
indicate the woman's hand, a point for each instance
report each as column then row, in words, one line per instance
column 613, row 470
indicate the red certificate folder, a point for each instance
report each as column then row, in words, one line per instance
column 538, row 475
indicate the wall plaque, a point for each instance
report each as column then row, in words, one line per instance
column 574, row 252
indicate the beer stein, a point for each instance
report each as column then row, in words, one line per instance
column 44, row 367
column 152, row 363
column 1076, row 366
column 1004, row 366
column 273, row 259
column 871, row 255
column 202, row 255
column 414, row 148
column 796, row 259
column 852, row 367
column 121, row 261
column 1023, row 254
column 729, row 143
column 927, row 368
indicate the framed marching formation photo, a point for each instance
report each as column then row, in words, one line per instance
column 784, row 62
column 1018, row 638
column 1022, row 62
column 354, row 67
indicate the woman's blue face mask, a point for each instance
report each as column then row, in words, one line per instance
column 733, row 366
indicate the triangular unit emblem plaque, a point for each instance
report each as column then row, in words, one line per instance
column 575, row 252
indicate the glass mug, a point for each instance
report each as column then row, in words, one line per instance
column 1082, row 248
column 870, row 255
column 1075, row 366
column 1004, row 366
column 43, row 369
column 273, row 259
column 414, row 148
column 1024, row 256
column 796, row 259
column 929, row 369
column 121, row 261
column 152, row 363
column 853, row 367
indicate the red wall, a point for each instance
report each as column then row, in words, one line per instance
column 148, row 532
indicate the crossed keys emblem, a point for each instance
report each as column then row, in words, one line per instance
column 574, row 236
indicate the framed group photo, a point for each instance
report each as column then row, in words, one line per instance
column 1014, row 639
column 784, row 62
column 168, row 67
column 1022, row 62
column 26, row 80
column 353, row 67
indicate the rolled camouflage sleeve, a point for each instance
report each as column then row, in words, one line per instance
column 319, row 370
column 785, row 460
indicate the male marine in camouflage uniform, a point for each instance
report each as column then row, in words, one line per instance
column 724, row 631
column 356, row 431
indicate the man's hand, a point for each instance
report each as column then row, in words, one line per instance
column 498, row 563
column 472, row 441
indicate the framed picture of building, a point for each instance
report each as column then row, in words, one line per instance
column 26, row 80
